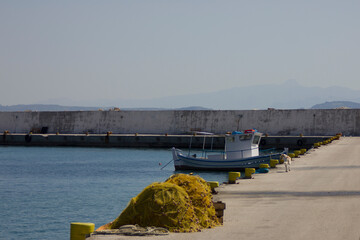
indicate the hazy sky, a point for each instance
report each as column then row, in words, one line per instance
column 87, row 49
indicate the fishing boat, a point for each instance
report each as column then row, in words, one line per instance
column 241, row 151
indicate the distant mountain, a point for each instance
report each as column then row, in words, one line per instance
column 197, row 108
column 54, row 107
column 288, row 95
column 337, row 104
column 44, row 107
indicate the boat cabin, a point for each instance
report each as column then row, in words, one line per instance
column 242, row 144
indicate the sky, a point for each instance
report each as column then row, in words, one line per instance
column 78, row 51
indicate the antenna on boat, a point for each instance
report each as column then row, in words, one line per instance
column 190, row 145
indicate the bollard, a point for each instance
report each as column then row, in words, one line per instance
column 249, row 172
column 263, row 168
column 213, row 185
column 292, row 155
column 264, row 165
column 273, row 163
column 297, row 153
column 233, row 176
column 302, row 151
column 79, row 231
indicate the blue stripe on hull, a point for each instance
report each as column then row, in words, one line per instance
column 202, row 164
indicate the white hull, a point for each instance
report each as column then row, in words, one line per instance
column 182, row 162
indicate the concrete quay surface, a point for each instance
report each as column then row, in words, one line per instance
column 318, row 199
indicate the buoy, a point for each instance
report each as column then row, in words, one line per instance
column 249, row 172
column 233, row 176
column 264, row 165
column 262, row 170
column 273, row 163
column 79, row 230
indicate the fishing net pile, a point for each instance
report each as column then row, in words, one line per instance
column 181, row 204
column 200, row 196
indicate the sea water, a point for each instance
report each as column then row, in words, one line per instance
column 44, row 189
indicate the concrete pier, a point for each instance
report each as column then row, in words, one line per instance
column 317, row 199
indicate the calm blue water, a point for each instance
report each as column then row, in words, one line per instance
column 44, row 189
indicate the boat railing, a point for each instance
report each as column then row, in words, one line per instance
column 223, row 153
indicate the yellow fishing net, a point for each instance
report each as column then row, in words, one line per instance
column 200, row 195
column 181, row 204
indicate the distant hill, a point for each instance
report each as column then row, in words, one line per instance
column 44, row 107
column 287, row 95
column 337, row 104
column 54, row 107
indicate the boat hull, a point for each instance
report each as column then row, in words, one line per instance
column 182, row 162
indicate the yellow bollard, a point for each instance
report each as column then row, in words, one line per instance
column 292, row 155
column 233, row 176
column 249, row 172
column 213, row 185
column 297, row 153
column 264, row 165
column 79, row 231
column 302, row 151
column 273, row 162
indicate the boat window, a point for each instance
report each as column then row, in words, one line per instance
column 256, row 139
column 245, row 137
column 231, row 139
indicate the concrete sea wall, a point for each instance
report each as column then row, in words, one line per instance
column 273, row 121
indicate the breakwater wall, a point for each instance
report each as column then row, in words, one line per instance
column 273, row 122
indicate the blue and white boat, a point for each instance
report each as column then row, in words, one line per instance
column 241, row 151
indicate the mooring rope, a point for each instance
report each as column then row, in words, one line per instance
column 166, row 164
